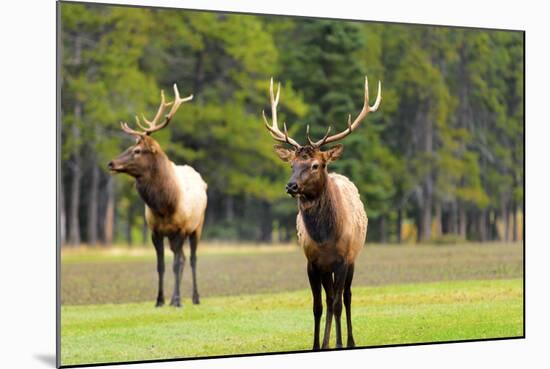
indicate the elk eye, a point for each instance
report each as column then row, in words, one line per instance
column 137, row 151
column 315, row 166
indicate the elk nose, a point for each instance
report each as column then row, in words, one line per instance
column 110, row 165
column 291, row 187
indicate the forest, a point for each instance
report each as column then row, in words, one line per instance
column 441, row 161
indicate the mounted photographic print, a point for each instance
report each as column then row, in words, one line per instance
column 243, row 184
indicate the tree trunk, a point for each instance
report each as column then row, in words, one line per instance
column 399, row 224
column 493, row 221
column 213, row 209
column 438, row 231
column 482, row 225
column 418, row 223
column 282, row 232
column 129, row 223
column 426, row 212
column 229, row 213
column 74, row 225
column 471, row 223
column 109, row 223
column 266, row 222
column 504, row 215
column 428, row 184
column 462, row 221
column 93, row 204
column 453, row 219
column 383, row 236
column 514, row 221
column 290, row 230
column 101, row 208
column 74, row 222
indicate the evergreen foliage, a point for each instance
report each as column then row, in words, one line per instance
column 444, row 152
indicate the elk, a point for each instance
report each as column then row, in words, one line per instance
column 331, row 220
column 174, row 195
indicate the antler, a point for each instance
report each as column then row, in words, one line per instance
column 153, row 126
column 274, row 127
column 351, row 126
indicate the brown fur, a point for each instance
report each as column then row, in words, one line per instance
column 331, row 221
column 338, row 215
column 158, row 185
column 332, row 228
column 158, row 188
column 175, row 198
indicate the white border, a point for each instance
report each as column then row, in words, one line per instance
column 27, row 182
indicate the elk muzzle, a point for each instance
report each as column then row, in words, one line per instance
column 115, row 167
column 292, row 188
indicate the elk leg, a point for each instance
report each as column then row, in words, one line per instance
column 193, row 241
column 314, row 276
column 347, row 303
column 326, row 280
column 176, row 244
column 339, row 282
column 158, row 241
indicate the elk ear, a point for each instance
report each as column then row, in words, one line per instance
column 334, row 153
column 284, row 153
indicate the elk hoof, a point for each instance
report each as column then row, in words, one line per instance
column 351, row 343
column 196, row 300
column 175, row 303
column 338, row 346
column 159, row 303
column 315, row 347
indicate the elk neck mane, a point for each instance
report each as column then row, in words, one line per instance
column 159, row 189
column 321, row 215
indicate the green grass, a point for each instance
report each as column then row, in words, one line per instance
column 393, row 314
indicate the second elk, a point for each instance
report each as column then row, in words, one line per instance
column 331, row 221
column 174, row 195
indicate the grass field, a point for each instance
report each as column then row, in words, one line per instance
column 256, row 299
column 283, row 321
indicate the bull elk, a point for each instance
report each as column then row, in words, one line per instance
column 331, row 221
column 174, row 195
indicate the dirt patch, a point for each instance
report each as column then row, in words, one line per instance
column 226, row 274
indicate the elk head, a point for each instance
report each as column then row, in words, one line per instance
column 308, row 162
column 138, row 158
